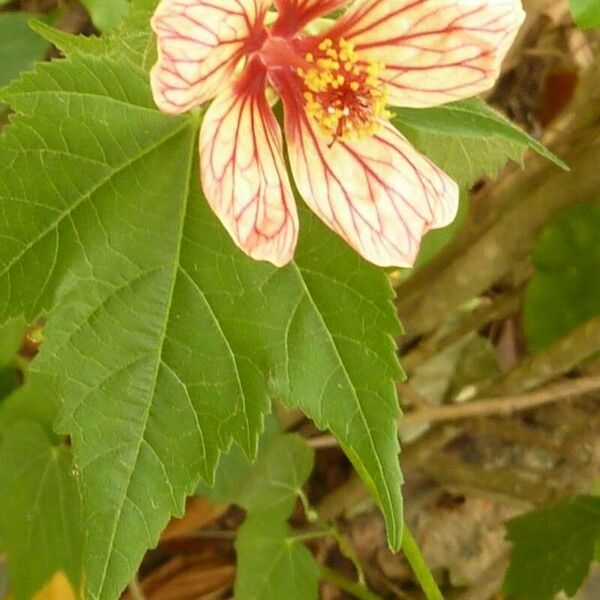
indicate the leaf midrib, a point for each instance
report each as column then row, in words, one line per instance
column 350, row 382
column 62, row 93
column 225, row 339
column 159, row 358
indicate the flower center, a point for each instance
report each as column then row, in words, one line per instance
column 344, row 95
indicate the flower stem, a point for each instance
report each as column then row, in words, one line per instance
column 356, row 589
column 346, row 548
column 421, row 570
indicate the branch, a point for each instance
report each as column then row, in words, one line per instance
column 506, row 218
column 487, row 406
column 506, row 405
column 506, row 243
column 499, row 308
column 561, row 357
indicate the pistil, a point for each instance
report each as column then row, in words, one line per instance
column 343, row 94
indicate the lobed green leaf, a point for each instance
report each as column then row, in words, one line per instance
column 586, row 13
column 468, row 139
column 270, row 483
column 20, row 48
column 130, row 40
column 552, row 548
column 563, row 292
column 106, row 14
column 272, row 563
column 40, row 508
column 167, row 343
column 11, row 334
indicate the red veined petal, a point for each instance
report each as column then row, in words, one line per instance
column 435, row 51
column 200, row 43
column 295, row 14
column 378, row 193
column 243, row 172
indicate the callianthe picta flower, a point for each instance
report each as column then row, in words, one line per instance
column 336, row 80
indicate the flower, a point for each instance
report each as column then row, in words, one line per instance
column 350, row 165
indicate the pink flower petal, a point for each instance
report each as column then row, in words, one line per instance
column 295, row 14
column 243, row 173
column 200, row 43
column 435, row 51
column 378, row 193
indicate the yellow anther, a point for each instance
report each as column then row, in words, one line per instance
column 325, row 45
column 345, row 96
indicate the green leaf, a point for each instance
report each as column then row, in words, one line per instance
column 341, row 361
column 40, row 510
column 11, row 335
column 272, row 564
column 269, row 484
column 586, row 13
column 9, row 381
column 168, row 343
column 20, row 47
column 106, row 13
column 468, row 139
column 552, row 548
column 131, row 40
column 437, row 239
column 564, row 292
column 235, row 470
column 35, row 401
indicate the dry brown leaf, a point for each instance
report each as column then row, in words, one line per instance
column 195, row 577
column 198, row 513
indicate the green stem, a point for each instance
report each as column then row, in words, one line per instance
column 307, row 536
column 358, row 591
column 420, row 568
column 312, row 516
